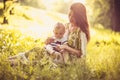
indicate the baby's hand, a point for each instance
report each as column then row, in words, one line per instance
column 58, row 48
column 49, row 40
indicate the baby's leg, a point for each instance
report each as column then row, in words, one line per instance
column 12, row 57
column 15, row 56
column 66, row 57
column 19, row 57
column 49, row 48
column 58, row 57
column 23, row 57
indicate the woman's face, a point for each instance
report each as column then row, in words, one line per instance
column 71, row 17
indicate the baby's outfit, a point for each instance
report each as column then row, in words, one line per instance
column 51, row 48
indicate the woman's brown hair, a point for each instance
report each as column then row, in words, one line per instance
column 79, row 13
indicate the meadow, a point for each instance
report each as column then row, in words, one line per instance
column 28, row 27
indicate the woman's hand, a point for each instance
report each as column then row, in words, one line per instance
column 71, row 50
column 78, row 54
column 62, row 47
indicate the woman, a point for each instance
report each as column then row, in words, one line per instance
column 77, row 31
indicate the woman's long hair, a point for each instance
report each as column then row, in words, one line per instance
column 79, row 13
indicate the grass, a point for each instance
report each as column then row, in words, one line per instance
column 103, row 53
column 27, row 30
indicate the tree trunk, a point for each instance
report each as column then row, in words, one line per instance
column 116, row 15
column 5, row 21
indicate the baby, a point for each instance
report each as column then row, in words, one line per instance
column 53, row 43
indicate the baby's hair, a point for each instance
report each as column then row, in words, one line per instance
column 58, row 25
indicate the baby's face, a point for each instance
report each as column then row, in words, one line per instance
column 59, row 33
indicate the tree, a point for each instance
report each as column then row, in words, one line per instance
column 100, row 12
column 106, row 13
column 8, row 5
column 5, row 21
column 116, row 15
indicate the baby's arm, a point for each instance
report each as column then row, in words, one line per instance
column 49, row 40
column 61, row 50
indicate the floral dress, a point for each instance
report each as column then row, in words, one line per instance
column 74, row 40
column 77, row 40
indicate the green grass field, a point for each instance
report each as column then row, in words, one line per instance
column 29, row 27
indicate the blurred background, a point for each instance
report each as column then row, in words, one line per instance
column 101, row 13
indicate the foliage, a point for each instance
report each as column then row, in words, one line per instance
column 103, row 56
column 101, row 12
column 12, row 42
column 61, row 9
column 55, row 6
column 33, row 3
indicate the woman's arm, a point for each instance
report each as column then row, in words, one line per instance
column 76, row 51
column 71, row 50
column 83, row 43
